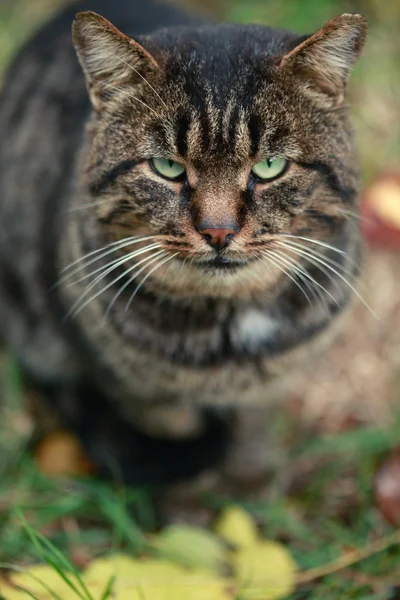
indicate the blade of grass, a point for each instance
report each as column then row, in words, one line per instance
column 140, row 592
column 31, row 595
column 367, row 441
column 66, row 563
column 108, row 590
column 117, row 514
column 38, row 541
column 50, row 561
column 37, row 579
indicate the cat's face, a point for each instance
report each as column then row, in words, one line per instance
column 216, row 145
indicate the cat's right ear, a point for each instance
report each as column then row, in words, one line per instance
column 322, row 63
column 109, row 58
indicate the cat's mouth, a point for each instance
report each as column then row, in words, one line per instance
column 220, row 264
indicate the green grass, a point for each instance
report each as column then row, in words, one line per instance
column 319, row 520
column 329, row 509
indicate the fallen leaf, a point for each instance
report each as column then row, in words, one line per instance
column 380, row 211
column 190, row 590
column 237, row 527
column 387, row 488
column 61, row 454
column 137, row 579
column 385, row 199
column 189, row 568
column 193, row 547
column 266, row 571
column 128, row 568
column 40, row 581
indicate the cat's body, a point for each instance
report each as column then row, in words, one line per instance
column 152, row 378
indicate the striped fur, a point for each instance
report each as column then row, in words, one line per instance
column 206, row 332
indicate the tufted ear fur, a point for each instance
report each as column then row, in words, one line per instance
column 109, row 58
column 324, row 60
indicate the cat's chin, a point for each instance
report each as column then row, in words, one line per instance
column 215, row 278
column 220, row 266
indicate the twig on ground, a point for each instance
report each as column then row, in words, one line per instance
column 349, row 559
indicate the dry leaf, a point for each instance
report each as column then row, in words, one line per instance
column 60, row 454
column 381, row 212
column 387, row 488
column 385, row 199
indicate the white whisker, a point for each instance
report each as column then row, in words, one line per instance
column 183, row 265
column 318, row 242
column 304, row 275
column 268, row 256
column 318, row 286
column 109, row 245
column 317, row 254
column 125, row 93
column 78, row 306
column 351, row 287
column 102, row 252
column 84, row 206
column 146, row 277
column 314, row 262
column 127, row 283
column 354, row 215
column 117, row 262
column 144, row 79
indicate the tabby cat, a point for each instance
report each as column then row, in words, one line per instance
column 173, row 232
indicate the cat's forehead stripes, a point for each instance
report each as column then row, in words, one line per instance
column 217, row 132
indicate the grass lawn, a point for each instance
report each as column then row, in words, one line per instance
column 330, row 509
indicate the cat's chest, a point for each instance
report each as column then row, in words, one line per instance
column 202, row 336
column 252, row 328
column 212, row 353
column 227, row 361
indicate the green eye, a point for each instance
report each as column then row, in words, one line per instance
column 169, row 169
column 270, row 168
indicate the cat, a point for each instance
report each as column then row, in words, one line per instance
column 173, row 232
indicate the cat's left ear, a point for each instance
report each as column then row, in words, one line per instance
column 109, row 58
column 323, row 61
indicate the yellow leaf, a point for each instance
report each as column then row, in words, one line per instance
column 266, row 571
column 191, row 547
column 36, row 580
column 144, row 579
column 189, row 587
column 102, row 569
column 236, row 527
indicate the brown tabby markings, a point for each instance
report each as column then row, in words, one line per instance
column 163, row 323
column 296, row 102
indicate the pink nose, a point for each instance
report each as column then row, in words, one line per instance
column 218, row 238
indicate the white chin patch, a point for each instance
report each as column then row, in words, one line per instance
column 252, row 328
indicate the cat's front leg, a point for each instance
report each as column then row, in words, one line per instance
column 252, row 455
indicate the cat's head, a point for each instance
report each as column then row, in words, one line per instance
column 218, row 145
